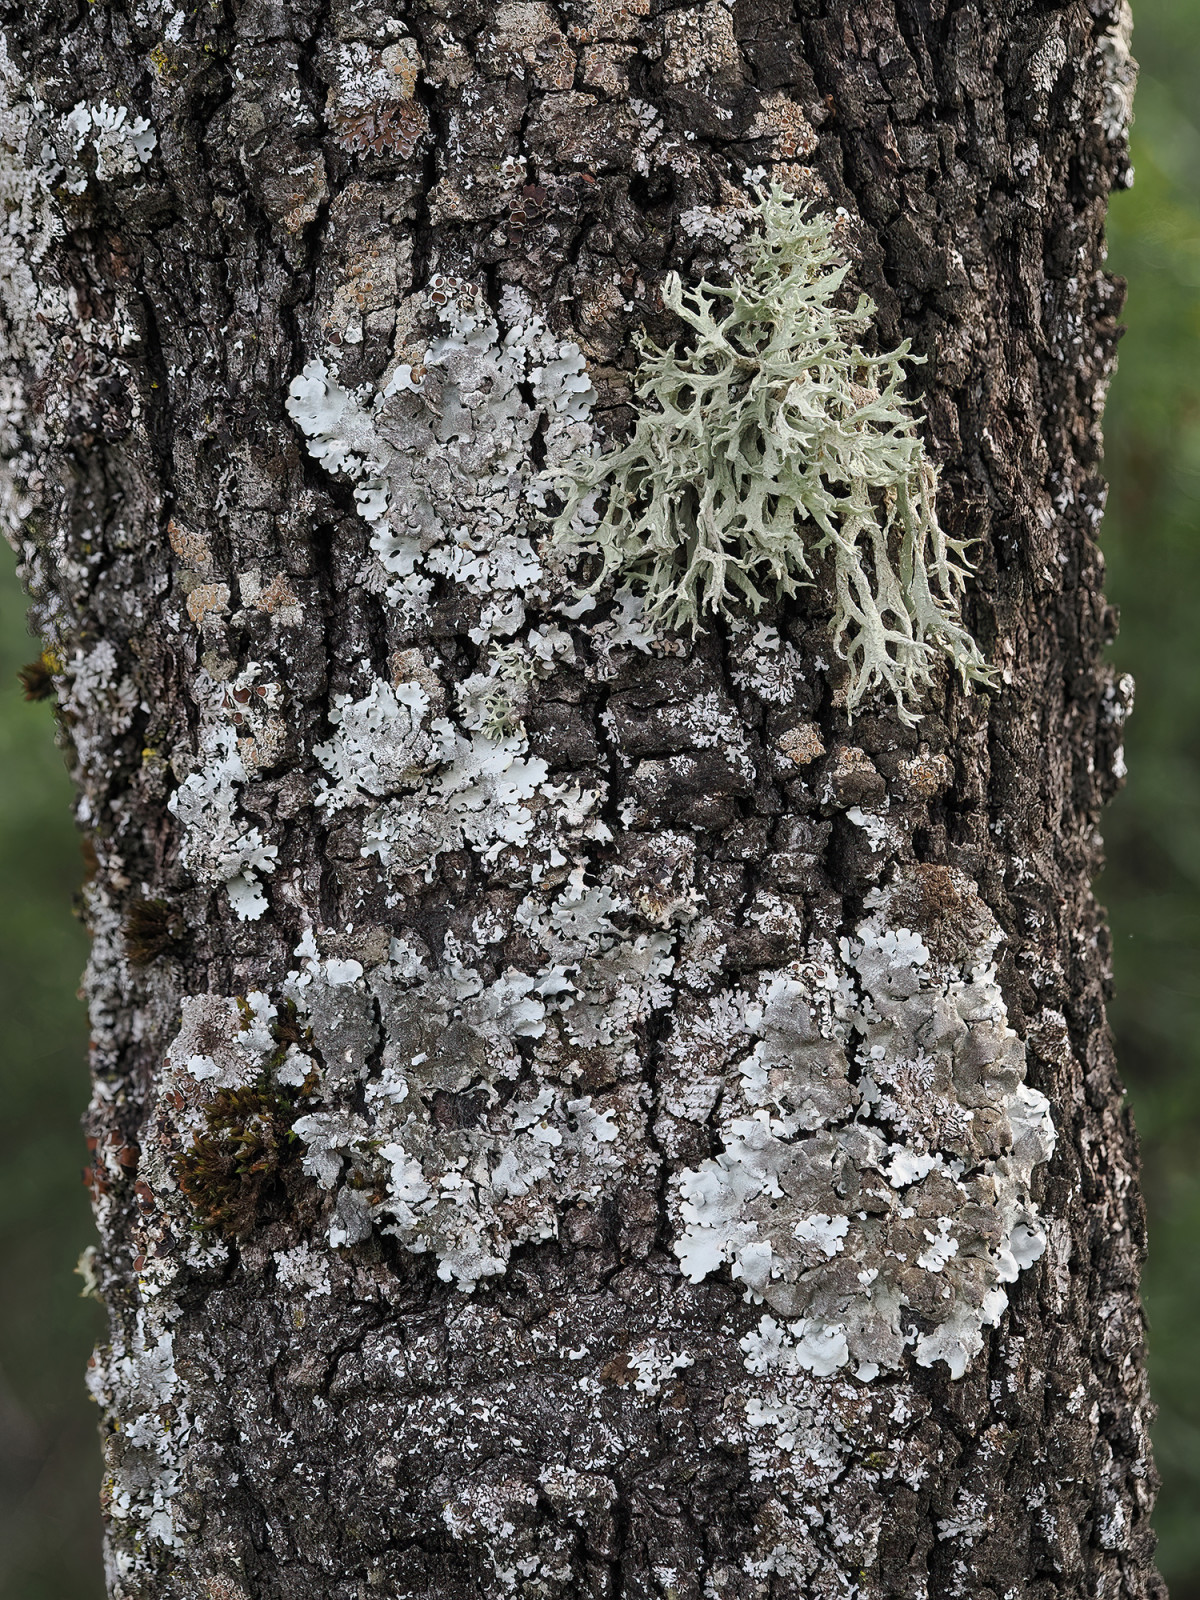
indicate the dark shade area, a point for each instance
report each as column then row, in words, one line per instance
column 49, row 1463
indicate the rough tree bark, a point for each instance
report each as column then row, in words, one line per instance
column 515, row 1037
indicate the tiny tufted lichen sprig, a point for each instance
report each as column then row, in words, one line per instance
column 771, row 445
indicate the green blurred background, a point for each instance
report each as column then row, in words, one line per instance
column 49, row 1462
column 1151, row 537
column 49, row 1458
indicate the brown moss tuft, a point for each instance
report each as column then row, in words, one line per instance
column 287, row 1027
column 246, row 1163
column 152, row 930
column 37, row 677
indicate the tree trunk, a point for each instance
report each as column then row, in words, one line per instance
column 558, row 1127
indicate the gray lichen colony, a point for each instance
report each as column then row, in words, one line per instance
column 842, row 1198
column 583, row 794
column 875, row 1137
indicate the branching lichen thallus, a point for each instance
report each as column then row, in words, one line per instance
column 772, row 447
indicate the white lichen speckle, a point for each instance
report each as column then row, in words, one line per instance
column 136, row 1381
column 238, row 735
column 1118, row 75
column 118, row 145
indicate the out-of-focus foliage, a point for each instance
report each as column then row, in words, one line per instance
column 49, row 1465
column 1152, row 887
column 49, row 1458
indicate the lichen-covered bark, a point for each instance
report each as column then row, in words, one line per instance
column 575, row 1114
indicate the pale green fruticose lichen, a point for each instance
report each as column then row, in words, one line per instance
column 774, row 447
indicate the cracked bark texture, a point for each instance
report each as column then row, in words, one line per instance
column 287, row 1417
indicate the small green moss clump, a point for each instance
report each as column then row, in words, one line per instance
column 242, row 1162
column 773, row 446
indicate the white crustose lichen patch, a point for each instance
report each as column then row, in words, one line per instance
column 878, row 1145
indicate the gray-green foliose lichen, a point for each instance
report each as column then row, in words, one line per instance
column 442, row 465
column 878, row 1140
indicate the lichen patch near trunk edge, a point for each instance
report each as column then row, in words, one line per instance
column 879, row 1145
